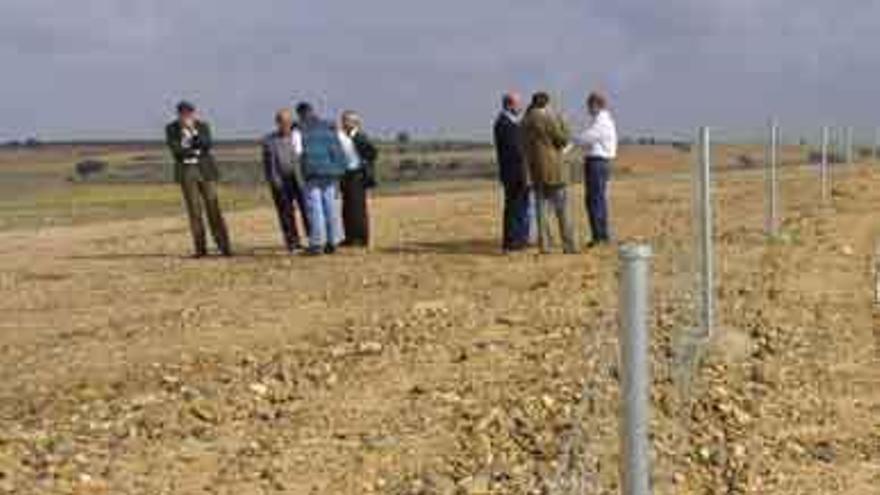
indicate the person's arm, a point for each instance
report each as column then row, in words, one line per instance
column 366, row 149
column 297, row 140
column 559, row 132
column 596, row 132
column 269, row 168
column 203, row 140
column 172, row 139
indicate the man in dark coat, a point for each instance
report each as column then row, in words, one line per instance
column 281, row 165
column 189, row 140
column 513, row 174
column 360, row 155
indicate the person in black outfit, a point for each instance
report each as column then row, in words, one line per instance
column 359, row 177
column 513, row 174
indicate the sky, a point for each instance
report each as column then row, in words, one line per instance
column 113, row 69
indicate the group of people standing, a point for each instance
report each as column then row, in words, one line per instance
column 531, row 149
column 309, row 164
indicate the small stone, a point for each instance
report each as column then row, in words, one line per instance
column 511, row 320
column 370, row 348
column 678, row 478
column 170, row 380
column 824, row 452
column 704, row 454
column 203, row 412
column 259, row 389
column 475, row 485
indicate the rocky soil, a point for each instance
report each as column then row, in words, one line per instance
column 433, row 364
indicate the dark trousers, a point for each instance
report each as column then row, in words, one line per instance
column 200, row 197
column 355, row 213
column 288, row 197
column 596, row 177
column 516, row 225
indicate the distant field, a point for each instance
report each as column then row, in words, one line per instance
column 40, row 187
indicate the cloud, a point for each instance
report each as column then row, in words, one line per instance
column 109, row 68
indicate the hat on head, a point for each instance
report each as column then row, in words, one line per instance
column 185, row 107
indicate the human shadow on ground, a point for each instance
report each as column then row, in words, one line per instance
column 243, row 252
column 472, row 247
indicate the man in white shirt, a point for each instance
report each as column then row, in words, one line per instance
column 599, row 141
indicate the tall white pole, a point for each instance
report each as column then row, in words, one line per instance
column 705, row 232
column 772, row 180
column 636, row 382
column 824, row 173
column 850, row 152
column 874, row 153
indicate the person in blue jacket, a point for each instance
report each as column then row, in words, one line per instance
column 323, row 165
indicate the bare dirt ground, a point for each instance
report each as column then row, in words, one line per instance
column 435, row 365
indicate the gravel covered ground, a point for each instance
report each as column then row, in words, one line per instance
column 435, row 365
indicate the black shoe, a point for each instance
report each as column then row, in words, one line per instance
column 313, row 252
column 329, row 249
column 226, row 253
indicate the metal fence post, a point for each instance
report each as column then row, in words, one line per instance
column 634, row 355
column 850, row 152
column 876, row 145
column 823, row 167
column 705, row 234
column 772, row 182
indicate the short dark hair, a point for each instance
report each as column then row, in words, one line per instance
column 597, row 100
column 304, row 108
column 540, row 99
column 185, row 107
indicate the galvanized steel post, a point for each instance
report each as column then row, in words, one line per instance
column 705, row 234
column 772, row 181
column 635, row 363
column 824, row 172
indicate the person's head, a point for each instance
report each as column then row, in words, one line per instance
column 350, row 121
column 596, row 102
column 284, row 121
column 511, row 102
column 540, row 100
column 186, row 112
column 305, row 111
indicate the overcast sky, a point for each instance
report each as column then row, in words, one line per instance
column 114, row 68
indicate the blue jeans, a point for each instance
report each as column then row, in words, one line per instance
column 325, row 223
column 596, row 177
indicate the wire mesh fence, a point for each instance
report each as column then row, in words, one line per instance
column 754, row 191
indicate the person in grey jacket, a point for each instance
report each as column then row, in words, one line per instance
column 282, row 168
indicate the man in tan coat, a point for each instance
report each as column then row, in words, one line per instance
column 545, row 139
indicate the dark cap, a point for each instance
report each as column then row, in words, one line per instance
column 304, row 108
column 185, row 107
